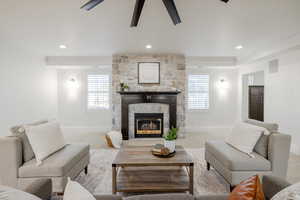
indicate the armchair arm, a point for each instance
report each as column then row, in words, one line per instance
column 11, row 160
column 279, row 151
column 272, row 185
column 41, row 188
column 108, row 197
column 213, row 197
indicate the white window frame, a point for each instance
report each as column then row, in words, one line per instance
column 208, row 93
column 89, row 108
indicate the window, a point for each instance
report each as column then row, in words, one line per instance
column 198, row 92
column 98, row 91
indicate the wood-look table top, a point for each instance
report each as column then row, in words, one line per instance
column 141, row 156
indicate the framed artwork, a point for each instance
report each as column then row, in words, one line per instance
column 149, row 73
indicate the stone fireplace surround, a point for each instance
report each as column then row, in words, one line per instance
column 173, row 78
column 141, row 97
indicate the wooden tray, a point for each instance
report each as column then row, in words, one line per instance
column 163, row 156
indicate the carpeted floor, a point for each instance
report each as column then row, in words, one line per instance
column 98, row 180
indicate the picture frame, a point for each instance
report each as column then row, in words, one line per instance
column 149, row 73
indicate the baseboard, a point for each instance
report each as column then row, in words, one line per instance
column 221, row 129
column 87, row 129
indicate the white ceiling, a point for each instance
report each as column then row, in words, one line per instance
column 209, row 28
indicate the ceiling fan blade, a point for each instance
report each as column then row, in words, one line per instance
column 226, row 1
column 139, row 4
column 91, row 4
column 172, row 10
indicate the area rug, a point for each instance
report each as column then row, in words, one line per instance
column 98, row 180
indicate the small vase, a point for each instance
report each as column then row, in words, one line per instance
column 170, row 144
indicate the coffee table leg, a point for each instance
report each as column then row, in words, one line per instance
column 191, row 178
column 114, row 179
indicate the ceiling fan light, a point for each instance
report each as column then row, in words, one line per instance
column 62, row 46
column 239, row 47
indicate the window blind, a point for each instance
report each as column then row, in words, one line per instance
column 198, row 92
column 98, row 91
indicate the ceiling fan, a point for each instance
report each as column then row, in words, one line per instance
column 139, row 4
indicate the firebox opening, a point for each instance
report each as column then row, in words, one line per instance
column 148, row 125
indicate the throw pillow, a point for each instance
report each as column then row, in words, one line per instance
column 45, row 139
column 19, row 131
column 74, row 191
column 261, row 146
column 291, row 192
column 244, row 137
column 114, row 139
column 249, row 189
column 8, row 193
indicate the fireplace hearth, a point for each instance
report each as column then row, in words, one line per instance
column 148, row 125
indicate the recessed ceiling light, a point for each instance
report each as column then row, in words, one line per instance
column 62, row 46
column 239, row 47
column 148, row 46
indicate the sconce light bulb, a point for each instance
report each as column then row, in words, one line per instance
column 72, row 83
column 223, row 84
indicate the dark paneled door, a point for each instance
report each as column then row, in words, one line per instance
column 256, row 103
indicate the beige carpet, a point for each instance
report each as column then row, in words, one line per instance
column 98, row 180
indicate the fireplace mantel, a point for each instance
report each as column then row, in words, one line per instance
column 149, row 92
column 136, row 97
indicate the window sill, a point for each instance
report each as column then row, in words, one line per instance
column 198, row 110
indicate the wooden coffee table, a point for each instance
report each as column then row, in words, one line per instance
column 135, row 169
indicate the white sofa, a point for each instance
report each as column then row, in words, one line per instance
column 18, row 164
column 271, row 155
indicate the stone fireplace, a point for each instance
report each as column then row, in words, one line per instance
column 168, row 98
column 172, row 80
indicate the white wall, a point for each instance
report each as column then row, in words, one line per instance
column 282, row 94
column 223, row 102
column 72, row 105
column 27, row 88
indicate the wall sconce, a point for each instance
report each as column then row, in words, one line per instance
column 72, row 88
column 72, row 83
column 223, row 84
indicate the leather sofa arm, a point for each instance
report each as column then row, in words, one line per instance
column 213, row 197
column 272, row 185
column 41, row 188
column 108, row 197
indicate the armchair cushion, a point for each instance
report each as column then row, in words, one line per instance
column 57, row 165
column 45, row 139
column 244, row 130
column 271, row 127
column 261, row 146
column 19, row 131
column 235, row 160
